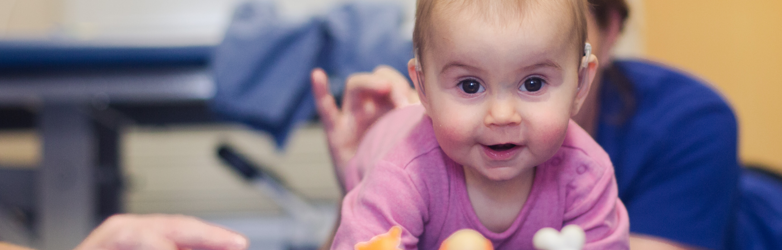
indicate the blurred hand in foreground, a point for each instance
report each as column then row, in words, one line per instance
column 367, row 97
column 161, row 232
column 6, row 246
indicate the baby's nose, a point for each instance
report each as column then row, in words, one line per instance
column 502, row 113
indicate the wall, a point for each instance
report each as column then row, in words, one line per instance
column 28, row 18
column 146, row 22
column 735, row 45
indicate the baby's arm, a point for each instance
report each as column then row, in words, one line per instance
column 594, row 206
column 386, row 197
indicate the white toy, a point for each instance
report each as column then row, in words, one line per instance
column 571, row 238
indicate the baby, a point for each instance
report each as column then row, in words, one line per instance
column 491, row 147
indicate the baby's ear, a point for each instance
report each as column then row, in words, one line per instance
column 416, row 74
column 585, row 77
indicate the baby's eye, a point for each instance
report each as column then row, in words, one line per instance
column 532, row 84
column 471, row 86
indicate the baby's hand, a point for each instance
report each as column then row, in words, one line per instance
column 386, row 241
column 367, row 97
column 466, row 239
column 571, row 238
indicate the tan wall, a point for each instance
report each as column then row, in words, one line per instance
column 735, row 45
column 29, row 18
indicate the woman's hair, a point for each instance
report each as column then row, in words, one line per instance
column 602, row 10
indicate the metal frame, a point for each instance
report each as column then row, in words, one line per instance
column 65, row 99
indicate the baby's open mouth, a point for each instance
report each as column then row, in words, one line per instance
column 502, row 147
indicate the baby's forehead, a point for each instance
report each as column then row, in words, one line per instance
column 557, row 17
column 504, row 12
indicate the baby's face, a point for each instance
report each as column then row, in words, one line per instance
column 500, row 98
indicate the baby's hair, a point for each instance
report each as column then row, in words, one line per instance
column 500, row 12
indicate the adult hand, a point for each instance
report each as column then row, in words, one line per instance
column 645, row 242
column 6, row 246
column 161, row 232
column 368, row 96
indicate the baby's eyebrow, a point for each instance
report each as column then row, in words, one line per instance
column 543, row 64
column 456, row 64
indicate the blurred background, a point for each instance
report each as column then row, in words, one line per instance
column 156, row 133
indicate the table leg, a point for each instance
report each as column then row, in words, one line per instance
column 65, row 178
column 108, row 180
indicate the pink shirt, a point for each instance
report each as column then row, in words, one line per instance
column 400, row 176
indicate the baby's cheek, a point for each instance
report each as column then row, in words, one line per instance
column 454, row 134
column 547, row 138
column 455, row 123
column 451, row 131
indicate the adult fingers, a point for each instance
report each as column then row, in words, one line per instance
column 187, row 232
column 151, row 241
column 116, row 232
column 6, row 246
column 324, row 100
column 161, row 232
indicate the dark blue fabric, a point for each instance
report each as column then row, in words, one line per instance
column 675, row 157
column 46, row 55
column 263, row 65
column 759, row 221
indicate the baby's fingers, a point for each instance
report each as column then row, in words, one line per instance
column 363, row 84
column 401, row 92
column 324, row 100
column 367, row 96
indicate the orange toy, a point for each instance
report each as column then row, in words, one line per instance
column 386, row 241
column 466, row 239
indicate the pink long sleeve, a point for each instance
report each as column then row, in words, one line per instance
column 591, row 198
column 386, row 198
column 411, row 183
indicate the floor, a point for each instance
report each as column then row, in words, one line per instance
column 176, row 170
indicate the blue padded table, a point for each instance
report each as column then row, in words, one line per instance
column 65, row 83
column 52, row 72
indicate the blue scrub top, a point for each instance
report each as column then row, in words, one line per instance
column 675, row 155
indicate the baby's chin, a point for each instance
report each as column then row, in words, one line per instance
column 503, row 173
